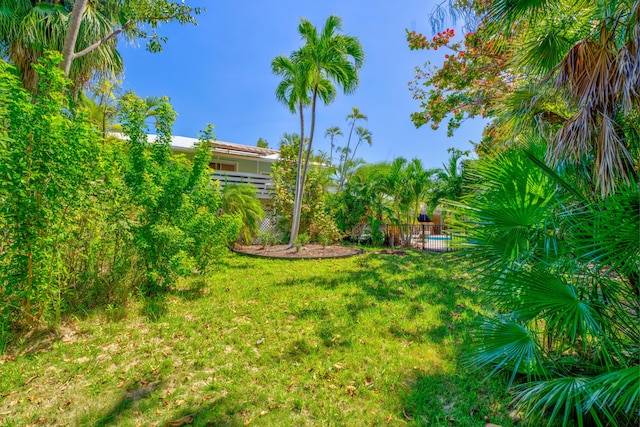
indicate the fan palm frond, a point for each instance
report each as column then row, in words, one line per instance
column 504, row 344
column 241, row 199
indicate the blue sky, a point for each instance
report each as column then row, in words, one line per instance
column 220, row 72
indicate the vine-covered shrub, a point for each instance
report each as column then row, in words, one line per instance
column 315, row 219
column 46, row 173
column 85, row 222
column 178, row 229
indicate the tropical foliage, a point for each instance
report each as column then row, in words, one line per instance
column 85, row 223
column 85, row 33
column 327, row 58
column 561, row 272
column 241, row 199
column 316, row 219
column 46, row 164
column 384, row 193
column 551, row 215
column 345, row 163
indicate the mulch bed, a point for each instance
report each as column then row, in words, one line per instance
column 307, row 251
column 390, row 252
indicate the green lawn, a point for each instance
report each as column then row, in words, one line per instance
column 369, row 340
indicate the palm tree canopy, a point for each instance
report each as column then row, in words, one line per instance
column 364, row 134
column 332, row 132
column 331, row 55
column 294, row 87
column 587, row 54
column 28, row 28
column 356, row 115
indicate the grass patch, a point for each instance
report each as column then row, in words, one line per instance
column 370, row 340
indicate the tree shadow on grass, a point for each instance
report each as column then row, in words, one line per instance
column 219, row 411
column 134, row 393
column 460, row 398
column 389, row 278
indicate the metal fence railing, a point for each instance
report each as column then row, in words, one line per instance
column 263, row 183
column 427, row 236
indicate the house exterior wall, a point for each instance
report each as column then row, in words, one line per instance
column 245, row 165
column 236, row 166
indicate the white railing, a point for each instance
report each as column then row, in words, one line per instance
column 263, row 183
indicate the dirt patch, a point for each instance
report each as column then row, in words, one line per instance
column 307, row 251
column 390, row 252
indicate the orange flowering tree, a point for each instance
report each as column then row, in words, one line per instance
column 472, row 81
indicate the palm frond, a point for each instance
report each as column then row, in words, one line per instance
column 240, row 199
column 616, row 392
column 503, row 344
column 563, row 396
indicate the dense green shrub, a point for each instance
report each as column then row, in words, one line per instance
column 178, row 229
column 315, row 219
column 84, row 223
column 47, row 160
column 559, row 270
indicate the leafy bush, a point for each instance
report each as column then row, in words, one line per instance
column 560, row 272
column 269, row 238
column 85, row 224
column 301, row 240
column 46, row 170
column 178, row 229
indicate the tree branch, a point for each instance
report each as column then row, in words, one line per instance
column 102, row 41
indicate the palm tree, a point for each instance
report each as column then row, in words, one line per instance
column 326, row 58
column 562, row 273
column 419, row 183
column 84, row 32
column 240, row 199
column 394, row 183
column 364, row 135
column 28, row 28
column 352, row 119
column 293, row 91
column 588, row 55
column 449, row 181
column 332, row 132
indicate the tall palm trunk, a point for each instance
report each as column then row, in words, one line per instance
column 343, row 172
column 71, row 37
column 302, row 177
column 297, row 200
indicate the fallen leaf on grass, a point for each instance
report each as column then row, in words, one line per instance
column 404, row 412
column 368, row 382
column 351, row 390
column 249, row 421
column 338, row 366
column 32, row 398
column 179, row 402
column 30, row 379
column 182, row 421
column 207, row 397
column 489, row 424
column 389, row 418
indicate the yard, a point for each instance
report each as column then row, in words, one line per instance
column 371, row 340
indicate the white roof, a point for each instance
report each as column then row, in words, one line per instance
column 186, row 144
